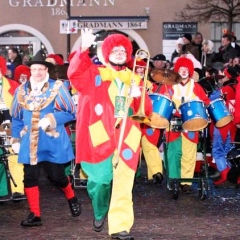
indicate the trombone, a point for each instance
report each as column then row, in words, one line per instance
column 140, row 116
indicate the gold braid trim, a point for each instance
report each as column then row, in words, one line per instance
column 34, row 131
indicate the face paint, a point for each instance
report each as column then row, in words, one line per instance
column 183, row 72
column 118, row 55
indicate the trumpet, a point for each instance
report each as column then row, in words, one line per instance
column 140, row 116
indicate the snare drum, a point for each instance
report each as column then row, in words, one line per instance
column 219, row 113
column 163, row 108
column 194, row 115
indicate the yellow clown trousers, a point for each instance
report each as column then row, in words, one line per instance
column 16, row 170
column 120, row 215
column 152, row 157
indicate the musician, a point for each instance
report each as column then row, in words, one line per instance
column 40, row 109
column 222, row 137
column 150, row 136
column 7, row 88
column 108, row 150
column 182, row 145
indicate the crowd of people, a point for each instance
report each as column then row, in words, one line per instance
column 40, row 96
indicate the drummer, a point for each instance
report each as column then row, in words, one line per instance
column 223, row 136
column 182, row 145
column 7, row 88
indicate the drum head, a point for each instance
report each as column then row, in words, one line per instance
column 224, row 121
column 195, row 124
column 158, row 122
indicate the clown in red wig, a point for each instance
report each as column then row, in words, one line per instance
column 182, row 145
column 22, row 74
column 108, row 141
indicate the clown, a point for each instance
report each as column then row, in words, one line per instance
column 104, row 92
column 22, row 74
column 182, row 145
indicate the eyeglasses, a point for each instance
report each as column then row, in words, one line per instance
column 37, row 69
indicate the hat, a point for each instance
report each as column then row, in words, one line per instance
column 188, row 36
column 115, row 40
column 196, row 63
column 184, row 62
column 138, row 63
column 57, row 59
column 179, row 41
column 39, row 58
column 230, row 72
column 3, row 66
column 210, row 45
column 159, row 57
column 217, row 65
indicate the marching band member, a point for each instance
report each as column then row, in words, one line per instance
column 40, row 109
column 223, row 136
column 182, row 145
column 107, row 150
column 150, row 136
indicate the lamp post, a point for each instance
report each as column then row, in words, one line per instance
column 68, row 34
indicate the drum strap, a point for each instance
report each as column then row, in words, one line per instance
column 159, row 87
column 185, row 92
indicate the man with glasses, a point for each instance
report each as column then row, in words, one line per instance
column 40, row 109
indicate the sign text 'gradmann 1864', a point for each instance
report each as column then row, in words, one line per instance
column 59, row 3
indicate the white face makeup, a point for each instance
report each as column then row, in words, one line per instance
column 184, row 73
column 118, row 55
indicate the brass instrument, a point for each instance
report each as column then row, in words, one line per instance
column 140, row 116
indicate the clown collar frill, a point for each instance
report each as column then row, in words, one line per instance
column 126, row 76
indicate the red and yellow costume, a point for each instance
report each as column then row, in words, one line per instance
column 97, row 134
column 182, row 145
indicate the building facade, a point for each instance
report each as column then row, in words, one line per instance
column 56, row 26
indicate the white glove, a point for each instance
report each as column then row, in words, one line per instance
column 16, row 147
column 135, row 91
column 44, row 123
column 88, row 38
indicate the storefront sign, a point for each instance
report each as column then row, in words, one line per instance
column 58, row 7
column 174, row 30
column 72, row 26
column 60, row 3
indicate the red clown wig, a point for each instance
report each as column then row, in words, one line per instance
column 21, row 69
column 3, row 65
column 58, row 60
column 184, row 62
column 116, row 40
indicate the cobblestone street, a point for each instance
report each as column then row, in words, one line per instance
column 157, row 215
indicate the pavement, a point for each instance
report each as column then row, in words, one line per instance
column 157, row 215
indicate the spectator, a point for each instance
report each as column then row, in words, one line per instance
column 188, row 46
column 179, row 44
column 14, row 57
